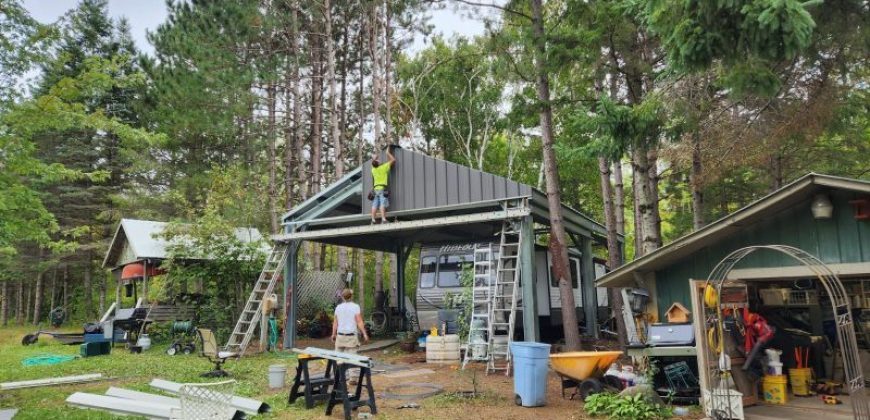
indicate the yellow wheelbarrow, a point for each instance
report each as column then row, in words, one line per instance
column 583, row 370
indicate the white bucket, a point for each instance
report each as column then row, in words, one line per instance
column 775, row 368
column 277, row 375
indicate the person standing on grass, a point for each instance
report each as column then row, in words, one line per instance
column 380, row 179
column 347, row 324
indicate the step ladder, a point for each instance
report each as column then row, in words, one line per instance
column 477, row 345
column 253, row 309
column 504, row 296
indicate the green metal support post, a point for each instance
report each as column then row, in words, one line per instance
column 527, row 278
column 291, row 273
column 401, row 258
column 587, row 285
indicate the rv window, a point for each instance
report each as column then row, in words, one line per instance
column 427, row 271
column 574, row 267
column 449, row 270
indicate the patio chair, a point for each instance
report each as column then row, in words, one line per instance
column 208, row 401
column 213, row 353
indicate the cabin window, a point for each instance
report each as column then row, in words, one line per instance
column 427, row 271
column 449, row 270
column 574, row 266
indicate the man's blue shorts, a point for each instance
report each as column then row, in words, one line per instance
column 380, row 200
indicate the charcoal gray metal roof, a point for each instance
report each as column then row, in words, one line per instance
column 136, row 240
column 421, row 188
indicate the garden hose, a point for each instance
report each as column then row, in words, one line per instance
column 713, row 339
column 273, row 333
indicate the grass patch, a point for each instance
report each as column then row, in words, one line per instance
column 133, row 371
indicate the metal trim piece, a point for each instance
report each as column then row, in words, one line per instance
column 128, row 394
column 119, row 405
column 404, row 225
column 51, row 381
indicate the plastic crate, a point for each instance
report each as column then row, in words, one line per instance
column 803, row 297
column 778, row 296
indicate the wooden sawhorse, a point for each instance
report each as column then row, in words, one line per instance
column 315, row 388
column 350, row 402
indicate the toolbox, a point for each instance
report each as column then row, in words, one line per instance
column 671, row 334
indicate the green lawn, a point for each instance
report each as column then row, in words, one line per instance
column 132, row 371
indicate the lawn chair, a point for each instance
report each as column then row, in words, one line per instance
column 213, row 353
column 209, row 401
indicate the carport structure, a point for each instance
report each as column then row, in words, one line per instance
column 434, row 201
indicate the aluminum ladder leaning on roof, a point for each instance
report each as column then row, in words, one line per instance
column 505, row 293
column 477, row 346
column 253, row 310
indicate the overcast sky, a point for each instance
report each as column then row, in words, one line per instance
column 145, row 15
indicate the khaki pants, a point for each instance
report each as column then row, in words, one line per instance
column 346, row 343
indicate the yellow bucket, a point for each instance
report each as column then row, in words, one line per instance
column 774, row 388
column 800, row 381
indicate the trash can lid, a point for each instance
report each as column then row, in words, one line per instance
column 530, row 344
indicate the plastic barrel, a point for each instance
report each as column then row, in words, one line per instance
column 530, row 362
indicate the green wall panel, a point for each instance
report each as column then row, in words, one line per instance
column 839, row 240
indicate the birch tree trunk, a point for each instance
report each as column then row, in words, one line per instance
column 316, row 134
column 294, row 135
column 375, row 31
column 272, row 187
column 695, row 181
column 4, row 302
column 37, row 291
column 88, row 291
column 361, row 254
column 334, row 134
column 104, row 286
column 65, row 287
column 28, row 295
column 614, row 250
column 653, row 171
column 19, row 303
column 558, row 238
column 53, row 301
column 619, row 197
column 646, row 201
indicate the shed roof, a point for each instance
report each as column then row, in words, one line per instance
column 423, row 188
column 777, row 201
column 145, row 241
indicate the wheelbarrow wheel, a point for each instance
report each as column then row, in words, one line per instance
column 589, row 387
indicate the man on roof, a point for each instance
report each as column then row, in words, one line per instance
column 380, row 196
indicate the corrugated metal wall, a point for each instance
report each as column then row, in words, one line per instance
column 840, row 240
column 419, row 181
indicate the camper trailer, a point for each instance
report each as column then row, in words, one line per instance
column 440, row 276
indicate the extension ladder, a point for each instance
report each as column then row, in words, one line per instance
column 253, row 310
column 477, row 347
column 504, row 296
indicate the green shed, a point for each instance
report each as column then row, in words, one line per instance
column 784, row 217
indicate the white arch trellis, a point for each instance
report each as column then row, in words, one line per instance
column 842, row 314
